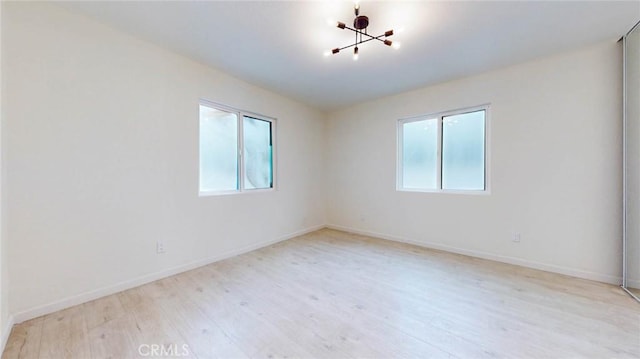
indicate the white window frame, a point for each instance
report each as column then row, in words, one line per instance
column 240, row 150
column 439, row 117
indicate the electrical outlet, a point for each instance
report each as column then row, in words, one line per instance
column 160, row 247
column 516, row 237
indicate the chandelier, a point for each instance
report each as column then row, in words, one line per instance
column 360, row 24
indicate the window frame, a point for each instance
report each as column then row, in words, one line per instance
column 240, row 150
column 439, row 116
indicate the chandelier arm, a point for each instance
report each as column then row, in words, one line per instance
column 371, row 37
column 378, row 38
column 358, row 43
column 346, row 47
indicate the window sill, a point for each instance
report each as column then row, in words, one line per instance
column 227, row 193
column 441, row 191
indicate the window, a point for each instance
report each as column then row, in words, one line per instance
column 443, row 152
column 236, row 150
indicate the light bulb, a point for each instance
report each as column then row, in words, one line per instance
column 326, row 53
column 396, row 45
column 355, row 54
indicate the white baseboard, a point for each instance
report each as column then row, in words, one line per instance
column 119, row 287
column 605, row 278
column 6, row 331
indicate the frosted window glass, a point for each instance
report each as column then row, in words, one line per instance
column 257, row 153
column 463, row 151
column 420, row 154
column 218, row 150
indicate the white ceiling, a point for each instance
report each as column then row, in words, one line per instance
column 279, row 45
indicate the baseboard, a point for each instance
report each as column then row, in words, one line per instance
column 490, row 256
column 119, row 287
column 6, row 332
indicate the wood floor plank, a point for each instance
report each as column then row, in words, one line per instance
column 100, row 311
column 114, row 339
column 205, row 338
column 132, row 298
column 152, row 329
column 229, row 308
column 303, row 323
column 24, row 341
column 64, row 335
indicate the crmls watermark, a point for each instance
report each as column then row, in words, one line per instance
column 163, row 350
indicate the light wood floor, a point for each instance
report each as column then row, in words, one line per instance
column 335, row 295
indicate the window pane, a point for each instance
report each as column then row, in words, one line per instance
column 463, row 151
column 258, row 164
column 419, row 154
column 218, row 150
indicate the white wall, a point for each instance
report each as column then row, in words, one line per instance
column 102, row 161
column 5, row 320
column 555, row 167
column 632, row 131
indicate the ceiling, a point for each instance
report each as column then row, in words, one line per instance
column 279, row 45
